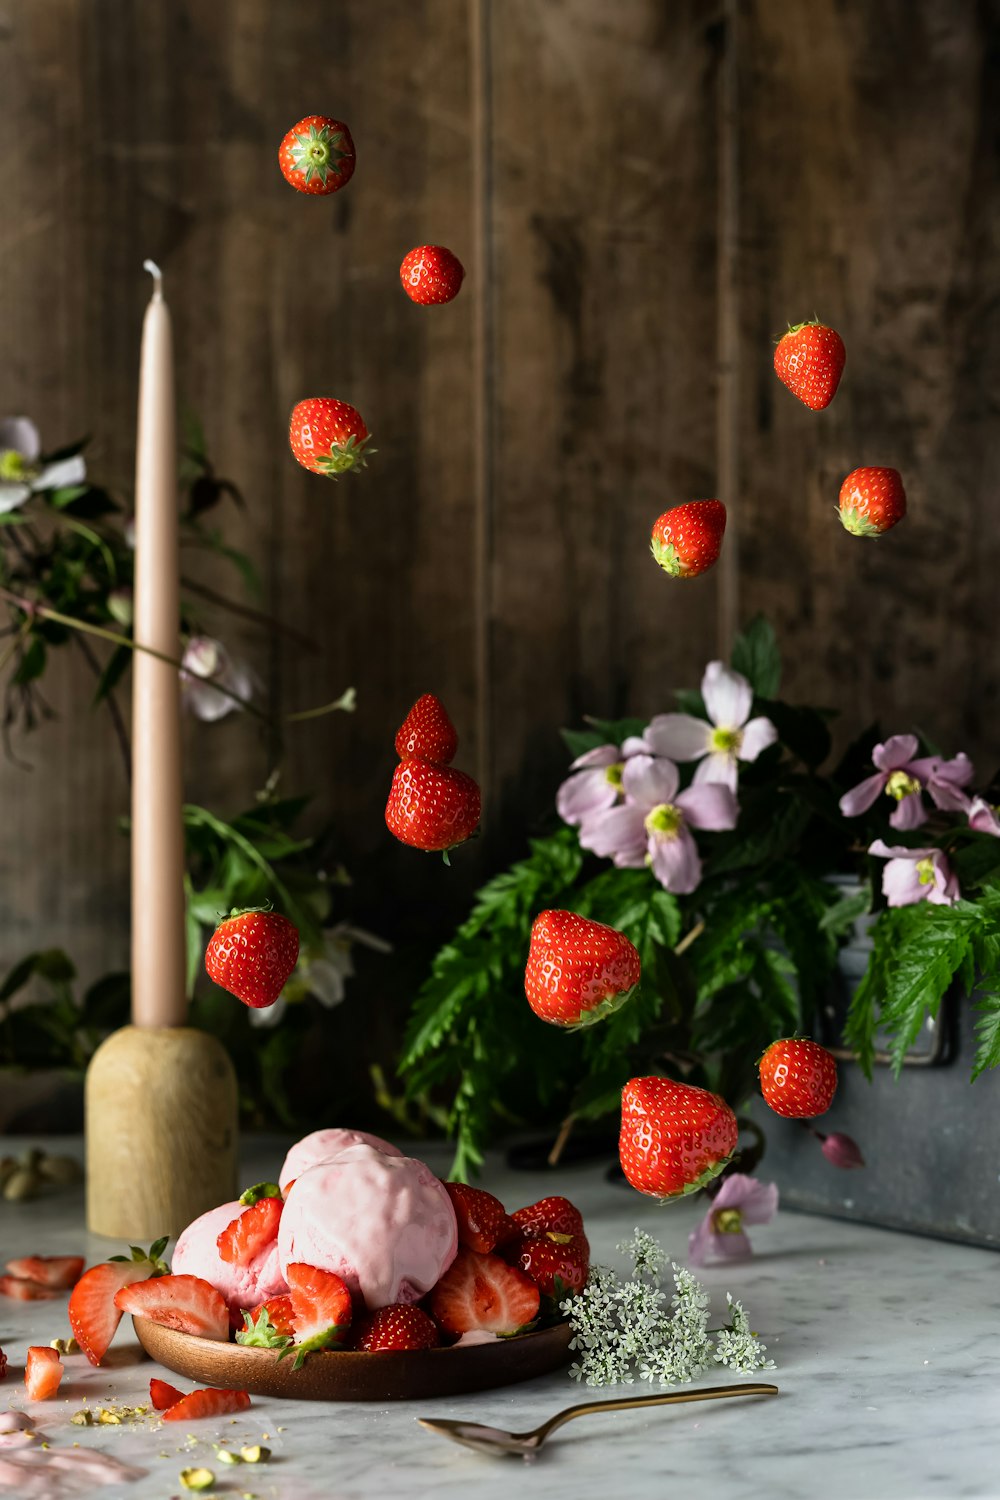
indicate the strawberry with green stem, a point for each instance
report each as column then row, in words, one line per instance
column 328, row 437
column 674, row 1137
column 578, row 971
column 687, row 539
column 251, row 954
column 809, row 359
column 872, row 501
column 432, row 807
column 321, row 1309
column 317, row 155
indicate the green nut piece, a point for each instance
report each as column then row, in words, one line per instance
column 23, row 1182
column 64, row 1170
column 82, row 1418
column 7, row 1166
column 255, row 1454
column 197, row 1479
column 227, row 1456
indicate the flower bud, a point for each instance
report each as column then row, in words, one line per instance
column 120, row 605
column 842, row 1151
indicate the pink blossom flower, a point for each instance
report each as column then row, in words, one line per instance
column 22, row 472
column 207, row 669
column 916, row 875
column 983, row 817
column 596, row 782
column 740, row 1200
column 720, row 745
column 903, row 776
column 654, row 825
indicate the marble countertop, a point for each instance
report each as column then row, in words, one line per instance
column 882, row 1344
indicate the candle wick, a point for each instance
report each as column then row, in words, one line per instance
column 157, row 275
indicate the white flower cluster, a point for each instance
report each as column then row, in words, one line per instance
column 626, row 1325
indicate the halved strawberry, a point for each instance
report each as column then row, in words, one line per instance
column 43, row 1371
column 206, row 1402
column 185, row 1303
column 400, row 1326
column 557, row 1215
column 321, row 1308
column 250, row 1232
column 269, row 1326
column 482, row 1219
column 93, row 1316
column 483, row 1292
column 557, row 1263
column 25, row 1291
column 60, row 1271
column 162, row 1395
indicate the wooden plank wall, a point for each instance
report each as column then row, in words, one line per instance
column 644, row 194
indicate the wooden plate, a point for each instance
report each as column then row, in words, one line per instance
column 404, row 1376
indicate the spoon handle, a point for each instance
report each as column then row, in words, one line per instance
column 628, row 1403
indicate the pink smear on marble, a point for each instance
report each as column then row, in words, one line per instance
column 38, row 1473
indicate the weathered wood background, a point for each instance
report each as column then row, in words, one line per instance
column 644, row 194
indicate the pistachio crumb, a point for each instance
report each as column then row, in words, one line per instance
column 197, row 1479
column 226, row 1456
column 255, row 1454
column 82, row 1418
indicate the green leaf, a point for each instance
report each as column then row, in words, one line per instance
column 755, row 654
column 839, row 919
column 32, row 663
column 615, row 731
column 51, row 964
column 579, row 741
column 987, row 1009
column 115, row 668
column 61, row 498
column 803, row 731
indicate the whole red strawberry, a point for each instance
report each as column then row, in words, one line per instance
column 871, row 501
column 430, row 273
column 578, row 971
column 399, row 1326
column 557, row 1215
column 798, row 1078
column 431, row 807
column 674, row 1137
column 251, row 954
column 482, row 1220
column 317, row 155
column 328, row 437
column 556, row 1263
column 687, row 540
column 428, row 732
column 810, row 359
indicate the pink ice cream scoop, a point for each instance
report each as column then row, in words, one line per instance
column 324, row 1145
column 383, row 1223
column 196, row 1254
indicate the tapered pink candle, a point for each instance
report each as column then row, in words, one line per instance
column 158, row 968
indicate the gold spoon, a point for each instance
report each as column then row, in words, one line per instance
column 526, row 1444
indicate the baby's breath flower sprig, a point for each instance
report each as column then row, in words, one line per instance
column 627, row 1326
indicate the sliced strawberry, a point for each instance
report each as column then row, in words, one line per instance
column 555, row 1215
column 557, row 1263
column 43, row 1371
column 25, row 1291
column 93, row 1316
column 321, row 1308
column 208, row 1402
column 60, row 1271
column 482, row 1219
column 483, row 1292
column 400, row 1326
column 250, row 1232
column 185, row 1303
column 163, row 1395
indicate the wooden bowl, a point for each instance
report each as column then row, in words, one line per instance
column 408, row 1375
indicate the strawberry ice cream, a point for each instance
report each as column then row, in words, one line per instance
column 383, row 1223
column 196, row 1254
column 324, row 1145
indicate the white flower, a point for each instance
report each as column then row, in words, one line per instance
column 21, row 472
column 720, row 745
column 207, row 667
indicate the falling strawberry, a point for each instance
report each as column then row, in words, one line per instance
column 557, row 1215
column 93, row 1316
column 871, row 501
column 251, row 1232
column 798, row 1078
column 163, row 1395
column 482, row 1292
column 43, row 1371
column 400, row 1326
column 430, row 273
column 428, row 732
column 482, row 1220
column 321, row 1308
column 556, row 1263
column 431, row 807
column 59, row 1271
column 687, row 540
column 208, row 1402
column 185, row 1303
column 328, row 437
column 810, row 359
column 251, row 954
column 317, row 155
column 674, row 1137
column 578, row 971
